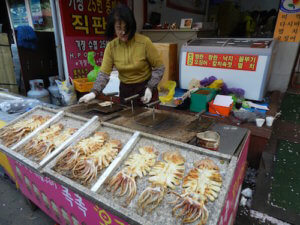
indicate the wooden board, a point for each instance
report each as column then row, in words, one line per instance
column 168, row 54
column 172, row 128
column 7, row 73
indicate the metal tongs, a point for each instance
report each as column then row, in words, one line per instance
column 153, row 104
column 152, row 118
column 132, row 111
column 131, row 98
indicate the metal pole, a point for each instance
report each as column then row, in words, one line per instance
column 11, row 22
column 29, row 16
column 60, row 29
column 57, row 41
column 206, row 10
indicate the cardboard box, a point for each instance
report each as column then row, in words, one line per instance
column 168, row 53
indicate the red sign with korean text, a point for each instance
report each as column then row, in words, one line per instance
column 59, row 202
column 222, row 61
column 84, row 23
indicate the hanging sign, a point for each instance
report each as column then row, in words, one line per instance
column 288, row 21
column 84, row 23
column 222, row 61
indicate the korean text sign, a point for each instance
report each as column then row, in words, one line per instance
column 84, row 23
column 59, row 202
column 288, row 22
column 222, row 61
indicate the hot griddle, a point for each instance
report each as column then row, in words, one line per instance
column 200, row 124
column 173, row 127
column 88, row 110
column 152, row 118
column 149, row 119
column 104, row 109
column 133, row 110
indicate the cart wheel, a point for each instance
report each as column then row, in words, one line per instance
column 31, row 205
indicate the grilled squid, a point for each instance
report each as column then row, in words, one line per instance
column 165, row 174
column 137, row 165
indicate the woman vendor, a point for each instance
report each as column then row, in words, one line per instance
column 134, row 56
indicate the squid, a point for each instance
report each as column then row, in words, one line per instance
column 13, row 134
column 88, row 167
column 202, row 184
column 137, row 165
column 74, row 154
column 164, row 175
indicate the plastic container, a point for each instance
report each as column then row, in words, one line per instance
column 200, row 99
column 37, row 91
column 83, row 85
column 54, row 91
column 169, row 85
column 270, row 120
column 259, row 122
column 220, row 110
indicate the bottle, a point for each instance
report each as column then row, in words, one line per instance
column 37, row 91
column 54, row 91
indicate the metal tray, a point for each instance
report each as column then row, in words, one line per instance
column 68, row 120
column 38, row 110
column 162, row 214
column 115, row 132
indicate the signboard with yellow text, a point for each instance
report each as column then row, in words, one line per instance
column 288, row 21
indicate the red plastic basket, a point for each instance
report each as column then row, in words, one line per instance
column 221, row 110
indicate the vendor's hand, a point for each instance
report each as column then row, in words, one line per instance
column 147, row 96
column 88, row 97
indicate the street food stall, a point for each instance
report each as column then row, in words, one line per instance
column 80, row 170
column 143, row 165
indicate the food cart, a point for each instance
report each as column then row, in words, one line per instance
column 72, row 201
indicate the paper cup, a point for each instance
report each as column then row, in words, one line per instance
column 259, row 122
column 269, row 120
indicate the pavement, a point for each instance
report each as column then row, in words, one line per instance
column 275, row 186
column 15, row 209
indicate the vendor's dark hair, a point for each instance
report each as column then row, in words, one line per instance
column 119, row 13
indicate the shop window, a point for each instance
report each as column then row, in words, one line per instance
column 18, row 12
column 41, row 15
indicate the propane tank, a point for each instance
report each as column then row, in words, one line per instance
column 37, row 91
column 54, row 91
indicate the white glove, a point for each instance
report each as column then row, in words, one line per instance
column 88, row 97
column 147, row 96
